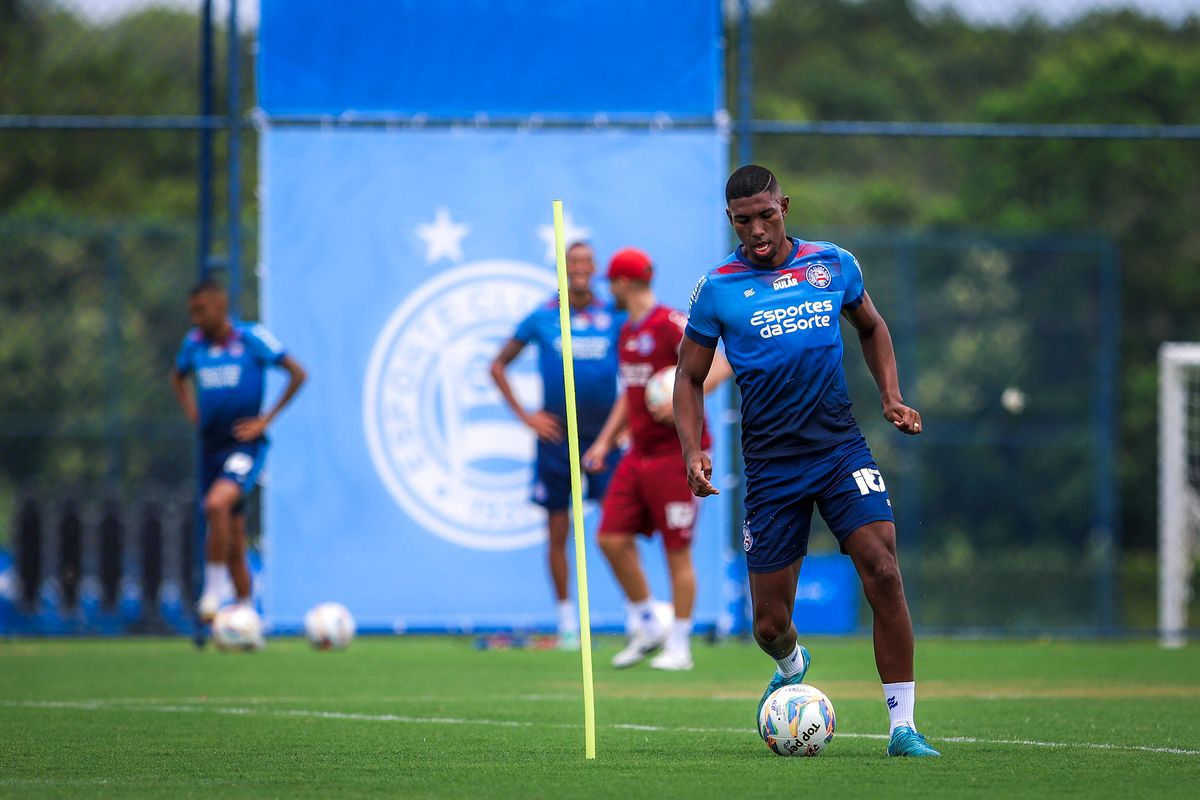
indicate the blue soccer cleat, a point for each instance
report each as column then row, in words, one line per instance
column 778, row 681
column 907, row 742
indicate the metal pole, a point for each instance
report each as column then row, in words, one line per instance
column 1105, row 433
column 204, row 236
column 235, row 164
column 745, row 90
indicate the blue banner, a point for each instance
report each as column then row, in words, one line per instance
column 570, row 57
column 395, row 265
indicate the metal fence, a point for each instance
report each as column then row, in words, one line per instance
column 122, row 177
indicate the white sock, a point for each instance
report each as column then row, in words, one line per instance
column 792, row 664
column 568, row 620
column 647, row 619
column 900, row 698
column 680, row 636
column 216, row 576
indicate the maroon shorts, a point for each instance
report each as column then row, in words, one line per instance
column 649, row 493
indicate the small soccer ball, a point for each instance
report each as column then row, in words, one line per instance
column 659, row 388
column 329, row 626
column 796, row 720
column 238, row 627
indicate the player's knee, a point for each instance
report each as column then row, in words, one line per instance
column 770, row 628
column 215, row 504
column 882, row 575
column 613, row 545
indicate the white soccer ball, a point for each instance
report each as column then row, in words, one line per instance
column 238, row 627
column 329, row 626
column 796, row 720
column 660, row 388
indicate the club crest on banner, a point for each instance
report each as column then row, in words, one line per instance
column 441, row 437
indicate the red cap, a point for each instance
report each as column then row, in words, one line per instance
column 629, row 262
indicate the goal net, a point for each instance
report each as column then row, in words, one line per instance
column 1178, row 487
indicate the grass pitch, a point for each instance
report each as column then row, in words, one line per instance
column 414, row 717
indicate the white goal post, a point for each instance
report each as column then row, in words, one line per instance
column 1178, row 486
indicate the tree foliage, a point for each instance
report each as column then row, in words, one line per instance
column 812, row 60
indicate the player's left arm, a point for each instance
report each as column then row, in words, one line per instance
column 880, row 356
column 248, row 430
column 718, row 373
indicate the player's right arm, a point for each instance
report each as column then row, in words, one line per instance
column 547, row 428
column 618, row 419
column 696, row 353
column 179, row 384
column 183, row 393
column 695, row 361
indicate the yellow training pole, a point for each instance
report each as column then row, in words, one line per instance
column 585, row 626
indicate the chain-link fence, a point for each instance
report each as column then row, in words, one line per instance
column 1029, row 348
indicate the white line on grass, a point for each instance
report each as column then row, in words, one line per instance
column 104, row 705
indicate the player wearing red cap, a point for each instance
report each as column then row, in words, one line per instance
column 649, row 489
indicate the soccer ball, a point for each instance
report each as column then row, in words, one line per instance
column 238, row 627
column 329, row 626
column 796, row 720
column 659, row 388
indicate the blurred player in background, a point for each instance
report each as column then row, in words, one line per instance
column 594, row 327
column 649, row 490
column 227, row 363
column 775, row 303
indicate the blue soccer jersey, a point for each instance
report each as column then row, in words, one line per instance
column 229, row 378
column 783, row 340
column 594, row 332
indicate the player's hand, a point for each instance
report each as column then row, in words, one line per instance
column 699, row 475
column 193, row 416
column 907, row 420
column 595, row 458
column 546, row 426
column 250, row 429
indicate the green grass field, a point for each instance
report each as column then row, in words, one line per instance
column 418, row 717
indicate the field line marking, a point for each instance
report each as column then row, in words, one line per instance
column 103, row 705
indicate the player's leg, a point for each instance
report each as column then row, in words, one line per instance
column 872, row 548
column 775, row 538
column 239, row 566
column 674, row 508
column 219, row 501
column 859, row 512
column 677, row 652
column 224, row 509
column 625, row 513
column 552, row 491
column 559, row 528
column 773, row 600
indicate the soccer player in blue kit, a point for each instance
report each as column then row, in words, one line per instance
column 775, row 302
column 227, row 362
column 595, row 326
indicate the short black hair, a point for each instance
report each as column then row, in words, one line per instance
column 750, row 180
column 205, row 285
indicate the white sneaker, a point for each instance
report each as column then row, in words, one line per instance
column 206, row 609
column 672, row 660
column 639, row 647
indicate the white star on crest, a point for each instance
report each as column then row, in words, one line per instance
column 443, row 238
column 571, row 233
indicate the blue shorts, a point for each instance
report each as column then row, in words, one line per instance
column 552, row 475
column 240, row 463
column 843, row 482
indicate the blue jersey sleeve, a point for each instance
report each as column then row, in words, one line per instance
column 527, row 329
column 263, row 345
column 183, row 359
column 852, row 275
column 703, row 326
